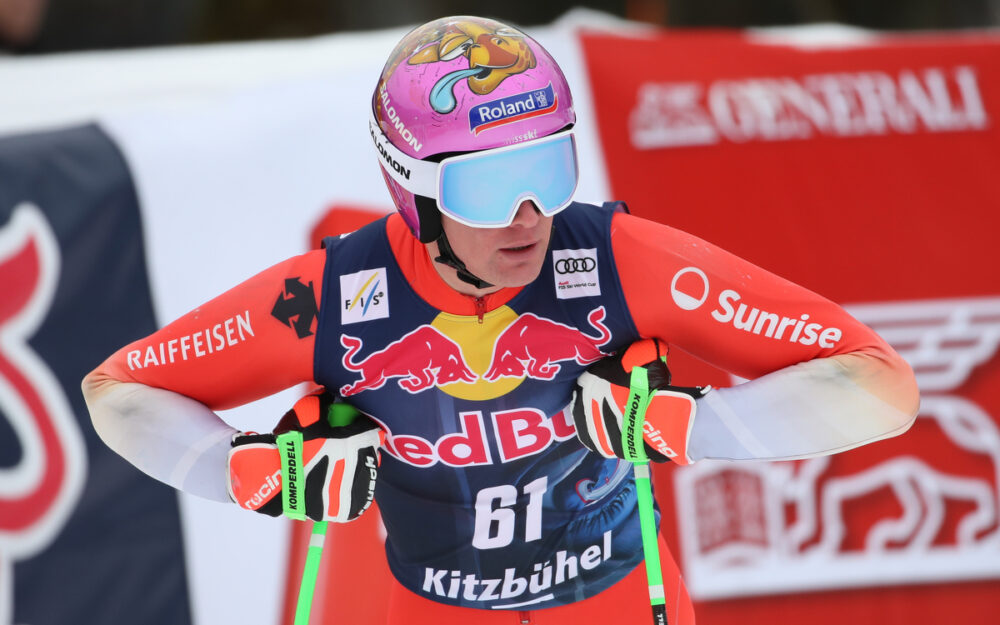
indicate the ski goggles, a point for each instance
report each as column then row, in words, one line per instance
column 484, row 189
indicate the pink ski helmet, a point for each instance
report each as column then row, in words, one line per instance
column 461, row 85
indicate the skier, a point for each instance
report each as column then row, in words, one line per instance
column 461, row 326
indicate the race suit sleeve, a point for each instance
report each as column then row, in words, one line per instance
column 820, row 381
column 153, row 400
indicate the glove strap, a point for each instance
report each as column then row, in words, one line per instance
column 293, row 501
column 635, row 416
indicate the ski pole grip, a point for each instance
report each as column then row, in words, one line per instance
column 341, row 414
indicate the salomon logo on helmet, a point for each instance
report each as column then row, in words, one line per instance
column 388, row 157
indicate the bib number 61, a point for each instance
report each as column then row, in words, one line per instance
column 496, row 516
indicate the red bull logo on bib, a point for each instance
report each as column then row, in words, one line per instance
column 449, row 354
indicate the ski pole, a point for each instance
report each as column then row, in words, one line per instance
column 338, row 415
column 310, row 572
column 632, row 427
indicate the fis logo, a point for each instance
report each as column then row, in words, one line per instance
column 364, row 296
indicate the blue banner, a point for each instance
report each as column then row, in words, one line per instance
column 84, row 536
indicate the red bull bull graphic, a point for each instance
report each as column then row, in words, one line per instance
column 421, row 359
column 37, row 494
column 920, row 508
column 533, row 346
column 448, row 354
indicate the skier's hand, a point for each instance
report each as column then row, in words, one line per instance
column 332, row 477
column 602, row 394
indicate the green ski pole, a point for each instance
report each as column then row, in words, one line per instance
column 635, row 417
column 338, row 415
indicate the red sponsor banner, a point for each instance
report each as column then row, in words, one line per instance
column 867, row 173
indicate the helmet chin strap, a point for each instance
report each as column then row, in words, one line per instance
column 449, row 258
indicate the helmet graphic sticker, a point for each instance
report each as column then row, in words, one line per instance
column 492, row 54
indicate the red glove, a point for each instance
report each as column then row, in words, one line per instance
column 602, row 396
column 331, row 473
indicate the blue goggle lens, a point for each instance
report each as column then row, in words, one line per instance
column 485, row 189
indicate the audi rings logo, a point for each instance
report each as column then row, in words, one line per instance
column 575, row 273
column 575, row 265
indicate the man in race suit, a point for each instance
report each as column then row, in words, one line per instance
column 463, row 339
